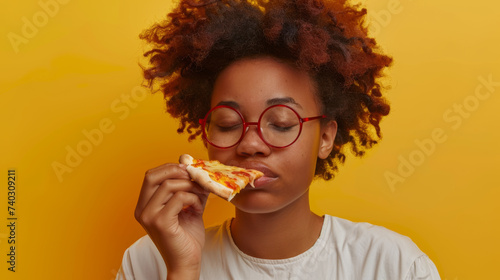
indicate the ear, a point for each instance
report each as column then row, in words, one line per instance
column 328, row 133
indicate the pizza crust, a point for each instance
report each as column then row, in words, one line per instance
column 186, row 159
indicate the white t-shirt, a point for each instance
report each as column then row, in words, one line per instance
column 344, row 251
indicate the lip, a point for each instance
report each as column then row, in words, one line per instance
column 257, row 166
column 268, row 177
column 262, row 181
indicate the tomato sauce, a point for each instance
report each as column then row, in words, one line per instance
column 219, row 176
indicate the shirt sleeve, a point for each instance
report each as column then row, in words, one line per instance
column 142, row 260
column 125, row 272
column 423, row 269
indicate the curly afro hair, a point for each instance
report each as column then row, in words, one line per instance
column 328, row 39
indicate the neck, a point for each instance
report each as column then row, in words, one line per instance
column 270, row 235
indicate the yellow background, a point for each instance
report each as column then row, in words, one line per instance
column 80, row 65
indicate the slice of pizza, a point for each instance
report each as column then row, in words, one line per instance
column 223, row 180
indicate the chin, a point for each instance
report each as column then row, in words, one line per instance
column 257, row 202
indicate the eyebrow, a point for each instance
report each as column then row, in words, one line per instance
column 270, row 102
column 230, row 104
column 282, row 100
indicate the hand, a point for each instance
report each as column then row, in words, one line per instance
column 170, row 209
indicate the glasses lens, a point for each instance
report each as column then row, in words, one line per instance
column 224, row 127
column 280, row 126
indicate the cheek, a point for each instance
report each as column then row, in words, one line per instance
column 311, row 149
column 309, row 142
column 304, row 155
column 219, row 154
column 212, row 153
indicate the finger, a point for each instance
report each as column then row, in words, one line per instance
column 154, row 177
column 179, row 202
column 165, row 191
column 168, row 216
column 160, row 173
column 148, row 206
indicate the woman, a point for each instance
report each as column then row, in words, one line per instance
column 307, row 73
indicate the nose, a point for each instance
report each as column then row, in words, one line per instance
column 252, row 143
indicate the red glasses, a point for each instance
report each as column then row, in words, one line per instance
column 279, row 126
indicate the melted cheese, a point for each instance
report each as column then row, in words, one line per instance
column 230, row 176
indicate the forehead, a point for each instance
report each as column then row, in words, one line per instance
column 254, row 83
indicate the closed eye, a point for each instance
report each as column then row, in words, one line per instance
column 228, row 127
column 281, row 127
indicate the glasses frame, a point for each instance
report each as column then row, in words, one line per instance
column 246, row 125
